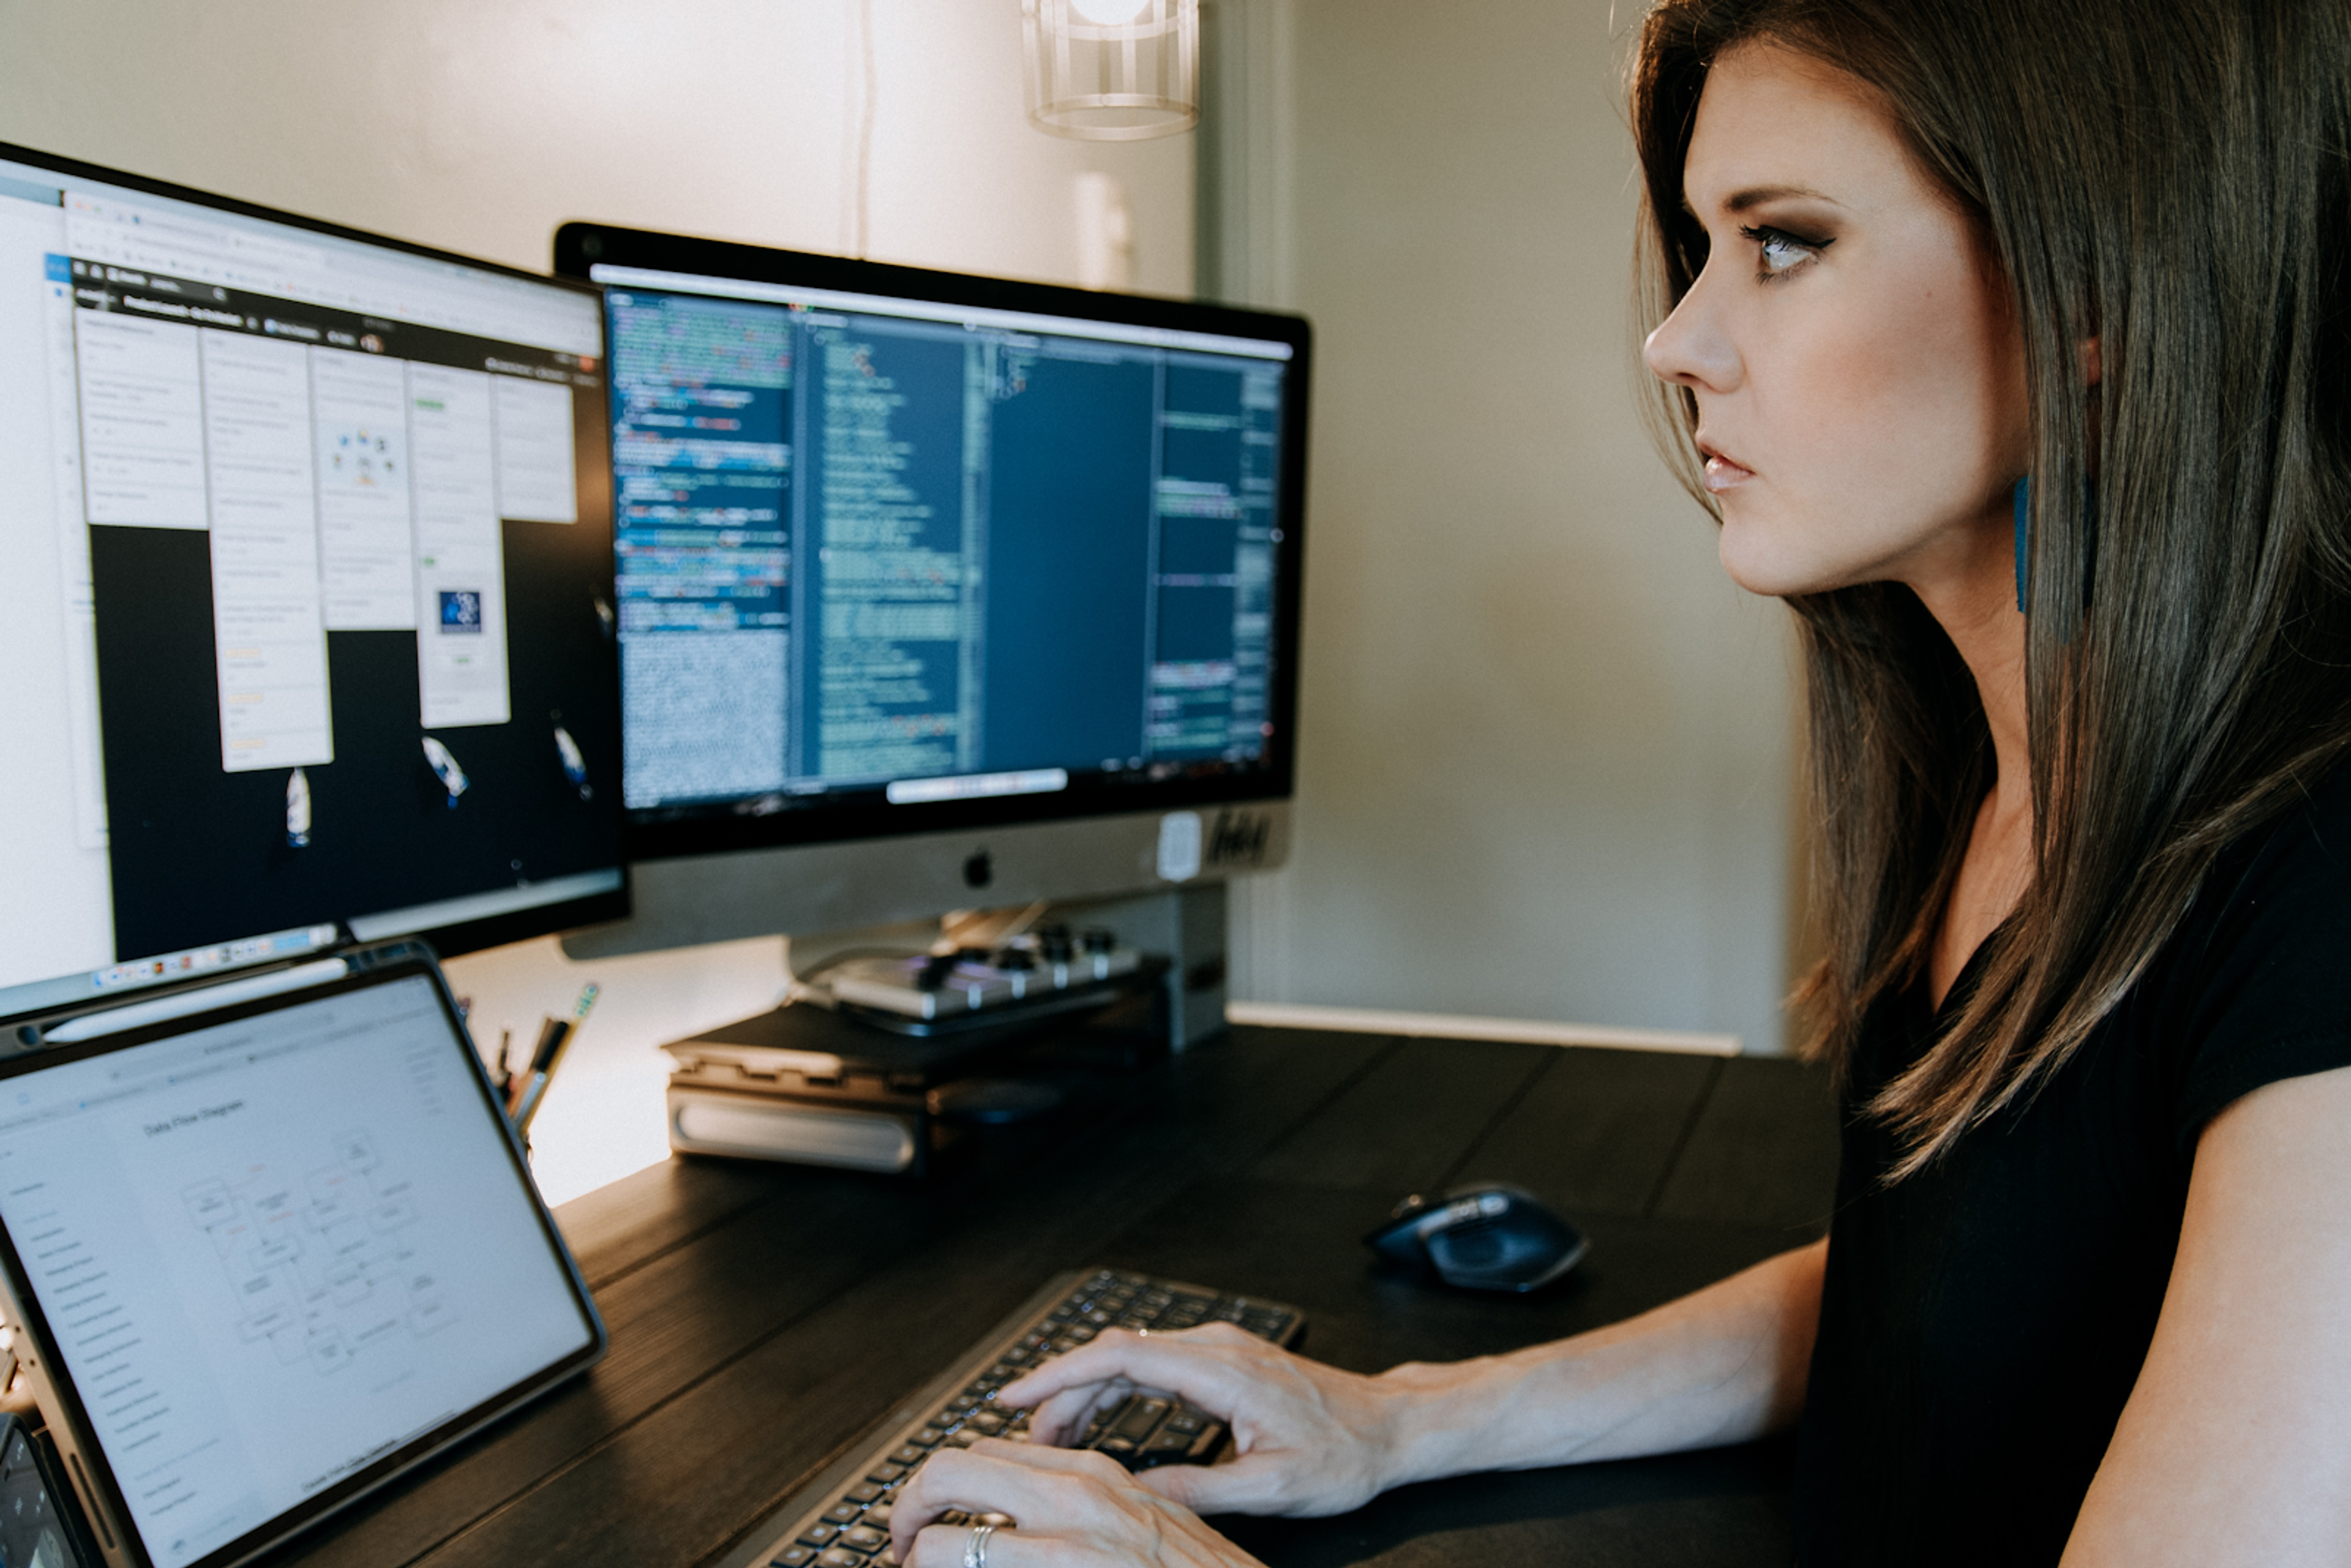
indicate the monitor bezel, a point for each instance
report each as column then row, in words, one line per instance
column 580, row 247
column 388, row 964
column 461, row 937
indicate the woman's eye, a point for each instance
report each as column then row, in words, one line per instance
column 1778, row 251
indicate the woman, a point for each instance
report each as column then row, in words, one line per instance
column 2007, row 342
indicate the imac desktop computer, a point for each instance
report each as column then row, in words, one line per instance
column 308, row 616
column 939, row 594
column 940, row 591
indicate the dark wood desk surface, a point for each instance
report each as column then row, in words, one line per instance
column 762, row 1317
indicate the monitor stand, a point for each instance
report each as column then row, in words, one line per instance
column 836, row 1085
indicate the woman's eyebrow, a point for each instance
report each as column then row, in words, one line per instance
column 1756, row 195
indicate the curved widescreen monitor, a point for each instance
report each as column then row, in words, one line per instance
column 903, row 551
column 308, row 616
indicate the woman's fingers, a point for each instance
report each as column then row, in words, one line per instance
column 994, row 1476
column 942, row 1546
column 1312, row 1439
column 1070, row 1509
column 1064, row 1415
column 1208, row 1366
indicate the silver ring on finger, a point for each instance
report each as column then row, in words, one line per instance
column 975, row 1547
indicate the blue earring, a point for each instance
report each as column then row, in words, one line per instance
column 2023, row 534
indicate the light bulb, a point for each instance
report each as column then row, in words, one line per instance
column 1109, row 13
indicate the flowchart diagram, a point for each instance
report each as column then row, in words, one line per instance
column 325, row 1262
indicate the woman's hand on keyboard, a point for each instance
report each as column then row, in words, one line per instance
column 1312, row 1439
column 1070, row 1509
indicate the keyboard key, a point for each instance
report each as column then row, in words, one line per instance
column 878, row 1516
column 885, row 1474
column 794, row 1557
column 967, row 1437
column 819, row 1534
column 928, row 1438
column 864, row 1538
column 1136, row 1422
column 1185, row 1420
column 845, row 1513
column 988, row 1422
column 907, row 1455
column 863, row 1491
column 834, row 1557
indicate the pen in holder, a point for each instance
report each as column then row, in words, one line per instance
column 526, row 1089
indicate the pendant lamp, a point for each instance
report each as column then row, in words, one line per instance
column 1113, row 70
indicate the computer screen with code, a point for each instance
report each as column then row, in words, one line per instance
column 882, row 549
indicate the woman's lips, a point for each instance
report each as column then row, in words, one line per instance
column 1722, row 473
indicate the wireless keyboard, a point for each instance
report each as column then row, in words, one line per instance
column 842, row 1520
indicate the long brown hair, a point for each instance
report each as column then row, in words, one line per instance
column 2172, row 178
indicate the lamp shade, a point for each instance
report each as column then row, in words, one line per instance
column 1113, row 70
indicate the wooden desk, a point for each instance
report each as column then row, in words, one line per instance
column 763, row 1316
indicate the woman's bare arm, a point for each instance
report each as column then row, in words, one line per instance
column 2236, row 1445
column 1724, row 1365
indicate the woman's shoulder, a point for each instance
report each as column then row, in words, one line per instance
column 2299, row 855
column 2256, row 985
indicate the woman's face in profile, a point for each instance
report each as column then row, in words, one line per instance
column 1858, row 370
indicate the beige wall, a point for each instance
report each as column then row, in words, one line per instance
column 479, row 125
column 1545, row 742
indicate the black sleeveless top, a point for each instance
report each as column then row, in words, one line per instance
column 1984, row 1322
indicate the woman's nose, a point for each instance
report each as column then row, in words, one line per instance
column 1690, row 348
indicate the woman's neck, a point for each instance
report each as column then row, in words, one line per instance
column 1973, row 596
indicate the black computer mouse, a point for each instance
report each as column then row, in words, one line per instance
column 1485, row 1236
